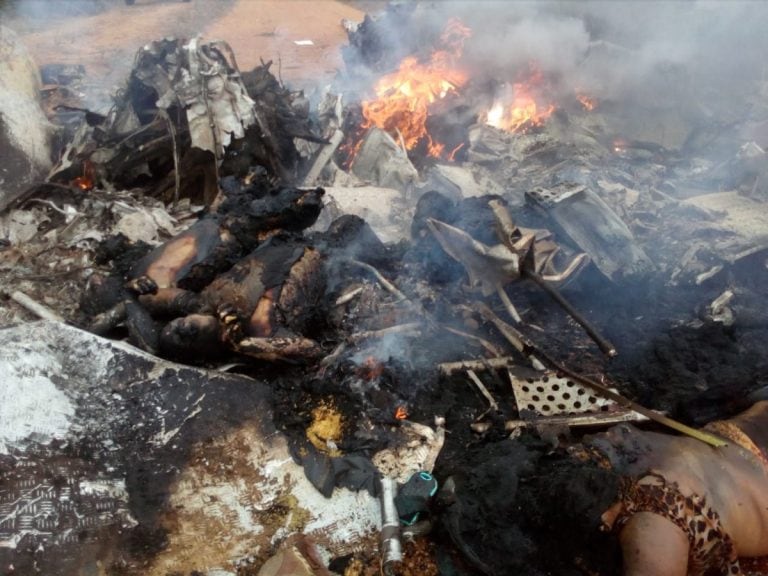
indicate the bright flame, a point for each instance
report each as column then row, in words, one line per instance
column 401, row 413
column 403, row 98
column 88, row 180
column 519, row 109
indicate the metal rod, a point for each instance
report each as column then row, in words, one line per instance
column 602, row 343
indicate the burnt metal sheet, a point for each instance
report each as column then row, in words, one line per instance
column 591, row 224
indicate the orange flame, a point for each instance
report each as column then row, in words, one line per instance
column 521, row 109
column 88, row 180
column 401, row 413
column 403, row 98
column 587, row 102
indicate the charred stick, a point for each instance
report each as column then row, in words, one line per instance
column 513, row 336
column 333, row 356
column 483, row 390
column 35, row 307
column 508, row 304
column 386, row 284
column 410, row 329
column 348, row 296
column 223, row 46
column 604, row 345
column 138, row 131
column 450, row 368
column 402, row 141
column 52, row 205
column 101, row 324
column 491, row 348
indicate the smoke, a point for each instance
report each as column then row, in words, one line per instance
column 652, row 52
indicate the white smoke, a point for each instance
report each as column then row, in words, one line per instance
column 652, row 51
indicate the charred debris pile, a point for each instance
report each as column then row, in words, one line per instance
column 422, row 248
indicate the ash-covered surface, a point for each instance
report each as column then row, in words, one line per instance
column 104, row 432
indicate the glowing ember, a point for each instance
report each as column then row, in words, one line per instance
column 88, row 180
column 370, row 369
column 401, row 413
column 587, row 102
column 403, row 98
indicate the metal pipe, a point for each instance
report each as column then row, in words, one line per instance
column 391, row 548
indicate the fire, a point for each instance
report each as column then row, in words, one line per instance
column 88, row 180
column 520, row 108
column 587, row 102
column 401, row 413
column 370, row 369
column 403, row 98
column 619, row 146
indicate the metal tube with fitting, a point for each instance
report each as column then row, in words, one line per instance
column 391, row 548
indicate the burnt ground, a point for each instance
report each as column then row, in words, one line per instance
column 517, row 501
column 509, row 506
column 518, row 506
column 671, row 358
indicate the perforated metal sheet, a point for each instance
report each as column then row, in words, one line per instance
column 548, row 394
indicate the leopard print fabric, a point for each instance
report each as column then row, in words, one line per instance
column 711, row 552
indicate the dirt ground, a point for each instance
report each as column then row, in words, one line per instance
column 105, row 42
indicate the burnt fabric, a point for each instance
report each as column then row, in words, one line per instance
column 352, row 471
